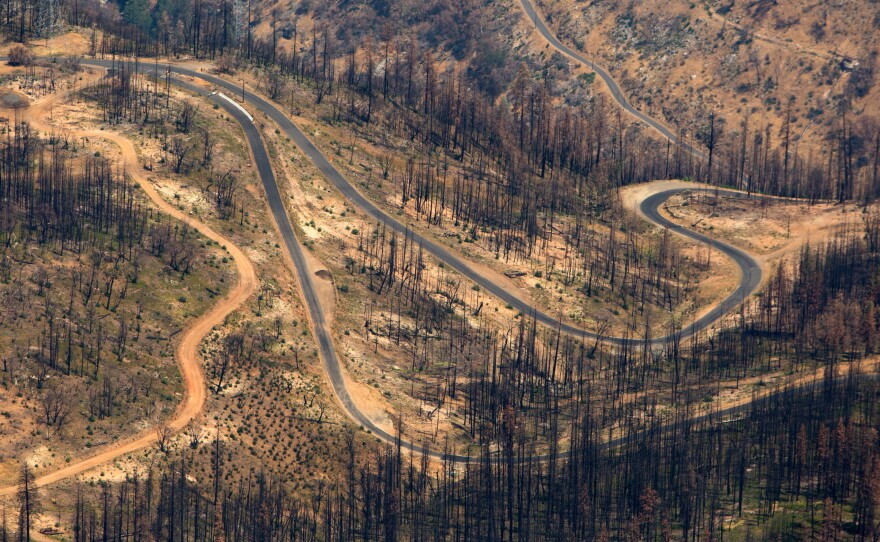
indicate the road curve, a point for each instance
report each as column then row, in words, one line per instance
column 187, row 350
column 749, row 281
column 751, row 274
column 614, row 88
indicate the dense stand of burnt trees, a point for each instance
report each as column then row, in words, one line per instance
column 80, row 208
column 536, row 384
column 516, row 164
column 550, row 154
column 810, row 455
column 819, row 310
column 512, row 167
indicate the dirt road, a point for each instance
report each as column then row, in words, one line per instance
column 647, row 204
column 186, row 352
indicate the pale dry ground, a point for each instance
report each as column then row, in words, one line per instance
column 682, row 83
column 303, row 207
column 186, row 351
column 736, row 393
column 773, row 230
column 73, row 43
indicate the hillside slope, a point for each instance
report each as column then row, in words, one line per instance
column 760, row 60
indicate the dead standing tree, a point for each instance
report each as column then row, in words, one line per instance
column 28, row 502
column 179, row 148
column 225, row 187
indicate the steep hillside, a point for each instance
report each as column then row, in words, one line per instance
column 787, row 87
column 757, row 61
column 483, row 39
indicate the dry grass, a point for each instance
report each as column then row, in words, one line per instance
column 680, row 60
column 167, row 301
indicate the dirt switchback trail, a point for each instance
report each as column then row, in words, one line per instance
column 186, row 352
column 648, row 206
column 749, row 281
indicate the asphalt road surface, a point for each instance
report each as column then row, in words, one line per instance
column 751, row 272
column 750, row 279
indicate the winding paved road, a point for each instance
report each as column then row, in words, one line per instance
column 613, row 87
column 750, row 279
column 751, row 272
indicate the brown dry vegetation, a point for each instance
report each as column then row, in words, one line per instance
column 270, row 407
column 762, row 61
column 137, row 310
column 271, row 363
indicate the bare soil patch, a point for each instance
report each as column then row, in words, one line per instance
column 10, row 99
